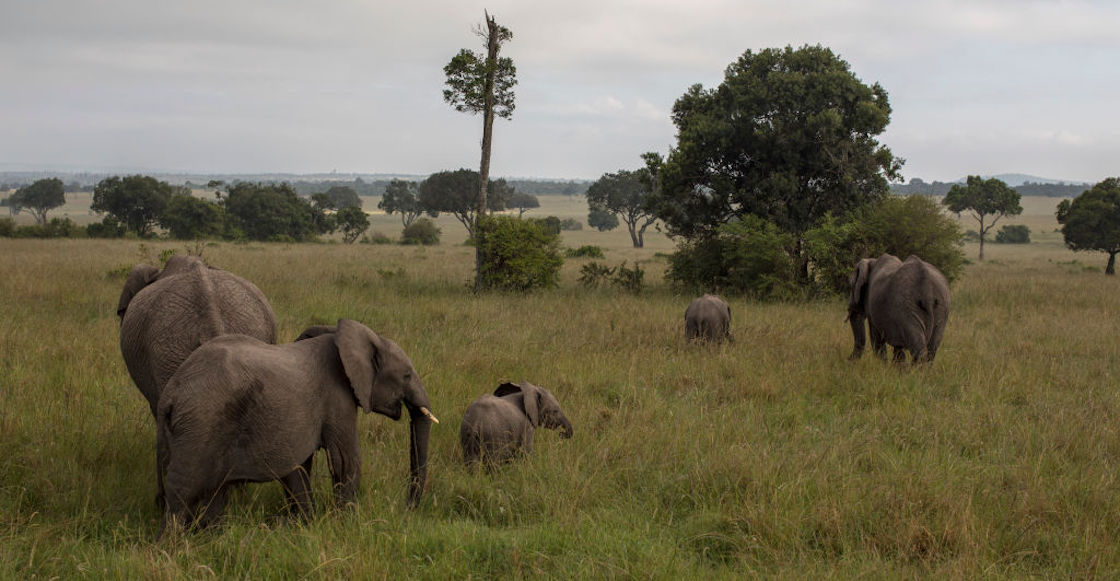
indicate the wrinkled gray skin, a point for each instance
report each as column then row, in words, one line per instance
column 708, row 318
column 905, row 303
column 496, row 428
column 241, row 410
column 166, row 314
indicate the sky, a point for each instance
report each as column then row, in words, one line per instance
column 283, row 86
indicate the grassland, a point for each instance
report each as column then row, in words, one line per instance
column 769, row 457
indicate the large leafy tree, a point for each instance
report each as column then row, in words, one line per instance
column 789, row 135
column 1091, row 221
column 343, row 197
column 483, row 84
column 137, row 201
column 401, row 196
column 987, row 200
column 626, row 194
column 270, row 212
column 39, row 198
column 190, row 218
column 453, row 192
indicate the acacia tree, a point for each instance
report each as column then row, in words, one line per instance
column 522, row 202
column 478, row 84
column 984, row 199
column 39, row 198
column 401, row 196
column 789, row 136
column 1091, row 221
column 626, row 194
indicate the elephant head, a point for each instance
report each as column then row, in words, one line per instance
column 383, row 378
column 540, row 406
column 139, row 277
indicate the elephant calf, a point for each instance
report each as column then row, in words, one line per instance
column 708, row 318
column 498, row 427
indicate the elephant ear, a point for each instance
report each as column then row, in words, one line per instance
column 858, row 282
column 139, row 277
column 531, row 397
column 372, row 364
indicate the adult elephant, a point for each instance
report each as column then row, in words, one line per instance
column 905, row 303
column 240, row 410
column 166, row 314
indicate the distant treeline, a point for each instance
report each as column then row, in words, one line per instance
column 936, row 188
column 377, row 187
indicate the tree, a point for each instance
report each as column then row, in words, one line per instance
column 984, row 199
column 343, row 197
column 39, row 198
column 1091, row 221
column 626, row 194
column 477, row 84
column 270, row 212
column 137, row 201
column 190, row 218
column 401, row 196
column 520, row 255
column 353, row 221
column 321, row 221
column 453, row 192
column 789, row 136
column 523, row 202
column 601, row 219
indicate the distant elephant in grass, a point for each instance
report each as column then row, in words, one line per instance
column 905, row 303
column 498, row 427
column 241, row 410
column 166, row 314
column 708, row 318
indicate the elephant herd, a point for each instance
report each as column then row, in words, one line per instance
column 232, row 406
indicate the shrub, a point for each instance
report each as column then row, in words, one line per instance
column 750, row 256
column 7, row 227
column 517, row 255
column 571, row 224
column 1014, row 234
column 422, row 231
column 594, row 274
column 551, row 224
column 108, row 227
column 376, row 238
column 585, row 251
column 899, row 225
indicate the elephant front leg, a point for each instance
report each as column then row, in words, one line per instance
column 859, row 334
column 297, row 486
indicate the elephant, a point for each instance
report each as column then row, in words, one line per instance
column 166, row 314
column 498, row 427
column 905, row 303
column 242, row 410
column 708, row 318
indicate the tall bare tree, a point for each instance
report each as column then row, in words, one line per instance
column 483, row 84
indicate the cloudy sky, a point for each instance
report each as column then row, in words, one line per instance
column 251, row 86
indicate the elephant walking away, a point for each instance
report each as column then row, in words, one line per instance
column 166, row 314
column 905, row 303
column 708, row 318
column 496, row 428
column 241, row 410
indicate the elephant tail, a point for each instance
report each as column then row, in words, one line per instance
column 212, row 324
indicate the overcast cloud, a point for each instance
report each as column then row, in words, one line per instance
column 232, row 86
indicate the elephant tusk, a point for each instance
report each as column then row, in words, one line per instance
column 428, row 413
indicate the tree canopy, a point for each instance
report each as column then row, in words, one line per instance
column 271, row 212
column 985, row 199
column 1091, row 221
column 626, row 194
column 522, row 202
column 789, row 135
column 343, row 197
column 353, row 222
column 401, row 196
column 453, row 192
column 137, row 201
column 190, row 218
column 39, row 198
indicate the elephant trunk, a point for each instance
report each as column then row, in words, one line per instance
column 419, row 431
column 565, row 427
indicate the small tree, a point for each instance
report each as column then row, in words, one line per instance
column 520, row 255
column 343, row 197
column 190, row 218
column 602, row 220
column 39, row 198
column 353, row 222
column 421, row 231
column 401, row 196
column 626, row 194
column 453, row 192
column 1091, row 221
column 137, row 201
column 522, row 202
column 986, row 199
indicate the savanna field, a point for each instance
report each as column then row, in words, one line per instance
column 772, row 456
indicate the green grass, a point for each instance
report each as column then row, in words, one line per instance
column 770, row 457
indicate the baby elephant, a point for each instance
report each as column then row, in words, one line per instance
column 498, row 427
column 708, row 318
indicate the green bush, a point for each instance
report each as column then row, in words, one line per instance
column 750, row 256
column 56, row 228
column 376, row 238
column 422, row 231
column 518, row 255
column 899, row 225
column 551, row 224
column 108, row 227
column 593, row 274
column 7, row 227
column 1014, row 234
column 571, row 224
column 585, row 251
